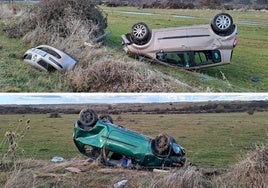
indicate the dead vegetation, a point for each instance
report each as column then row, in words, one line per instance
column 250, row 172
column 62, row 19
column 105, row 73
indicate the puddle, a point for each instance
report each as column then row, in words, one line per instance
column 137, row 13
column 181, row 16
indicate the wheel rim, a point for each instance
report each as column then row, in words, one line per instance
column 139, row 31
column 87, row 117
column 223, row 22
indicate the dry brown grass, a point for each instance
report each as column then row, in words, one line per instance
column 9, row 10
column 250, row 172
column 187, row 178
column 34, row 173
column 106, row 73
column 62, row 24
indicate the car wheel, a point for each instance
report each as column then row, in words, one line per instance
column 88, row 117
column 222, row 23
column 106, row 118
column 161, row 144
column 140, row 33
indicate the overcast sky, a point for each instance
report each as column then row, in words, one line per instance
column 110, row 98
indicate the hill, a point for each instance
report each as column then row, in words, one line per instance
column 105, row 68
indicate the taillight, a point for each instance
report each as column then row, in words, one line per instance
column 234, row 42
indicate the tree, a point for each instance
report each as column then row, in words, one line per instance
column 262, row 1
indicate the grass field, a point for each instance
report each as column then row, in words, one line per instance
column 211, row 140
column 250, row 58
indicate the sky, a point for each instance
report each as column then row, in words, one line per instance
column 113, row 98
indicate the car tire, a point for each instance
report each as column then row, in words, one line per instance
column 106, row 118
column 162, row 145
column 140, row 33
column 222, row 23
column 88, row 118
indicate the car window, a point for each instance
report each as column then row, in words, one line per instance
column 47, row 66
column 207, row 57
column 50, row 51
column 190, row 58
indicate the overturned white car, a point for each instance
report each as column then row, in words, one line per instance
column 190, row 47
column 49, row 59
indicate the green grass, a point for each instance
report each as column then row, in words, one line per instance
column 16, row 76
column 210, row 140
column 250, row 57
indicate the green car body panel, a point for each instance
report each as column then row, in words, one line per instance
column 117, row 139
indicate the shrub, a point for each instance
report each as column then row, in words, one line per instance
column 53, row 20
column 188, row 177
column 250, row 172
column 102, row 72
column 54, row 115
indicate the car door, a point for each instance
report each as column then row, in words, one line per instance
column 127, row 143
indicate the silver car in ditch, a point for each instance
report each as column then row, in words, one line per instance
column 49, row 59
column 190, row 47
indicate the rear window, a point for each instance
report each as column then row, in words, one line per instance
column 50, row 51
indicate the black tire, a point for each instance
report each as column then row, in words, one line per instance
column 161, row 145
column 88, row 118
column 140, row 33
column 222, row 23
column 106, row 118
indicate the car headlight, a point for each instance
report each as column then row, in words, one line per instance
column 176, row 148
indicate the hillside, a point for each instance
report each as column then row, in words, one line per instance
column 106, row 68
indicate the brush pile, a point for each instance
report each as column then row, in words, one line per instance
column 58, row 23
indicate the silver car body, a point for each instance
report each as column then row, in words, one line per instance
column 48, row 58
column 190, row 42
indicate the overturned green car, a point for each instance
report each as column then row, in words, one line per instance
column 98, row 138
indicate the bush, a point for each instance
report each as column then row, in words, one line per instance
column 52, row 20
column 103, row 72
column 188, row 177
column 54, row 115
column 250, row 172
